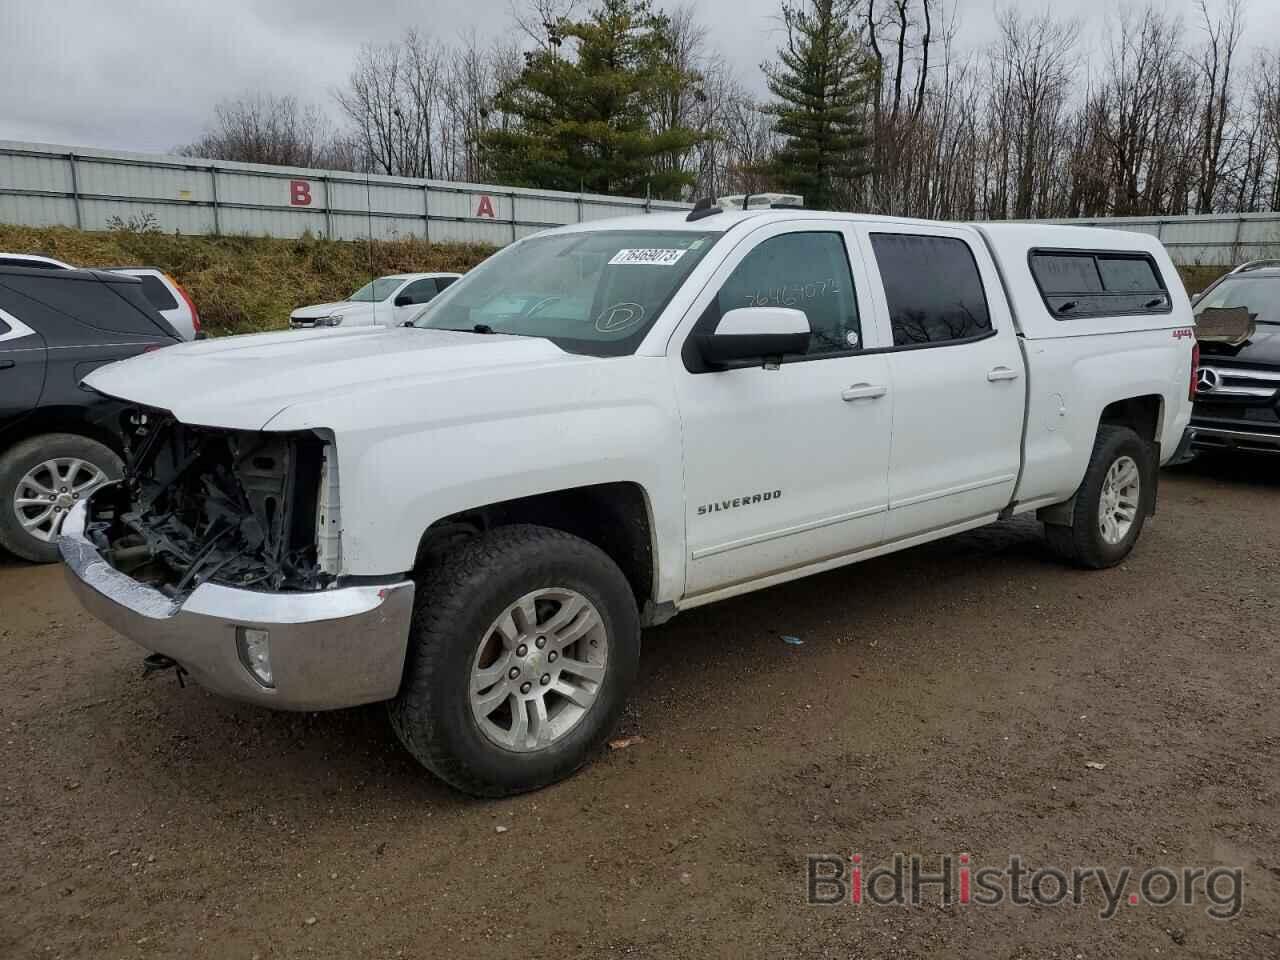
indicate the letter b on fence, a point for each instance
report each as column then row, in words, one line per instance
column 300, row 193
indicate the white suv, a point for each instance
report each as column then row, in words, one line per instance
column 169, row 298
column 389, row 301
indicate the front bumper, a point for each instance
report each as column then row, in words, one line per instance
column 329, row 648
column 1208, row 436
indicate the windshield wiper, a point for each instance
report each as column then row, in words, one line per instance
column 478, row 328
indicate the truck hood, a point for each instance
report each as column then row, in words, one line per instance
column 340, row 307
column 243, row 382
column 1261, row 349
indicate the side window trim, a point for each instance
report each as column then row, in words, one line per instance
column 936, row 344
column 11, row 328
column 1097, row 254
column 994, row 317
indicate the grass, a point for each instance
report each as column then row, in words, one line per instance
column 1196, row 278
column 246, row 284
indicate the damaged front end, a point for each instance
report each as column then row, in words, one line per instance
column 240, row 508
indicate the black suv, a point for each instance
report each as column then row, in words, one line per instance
column 1238, row 382
column 59, row 440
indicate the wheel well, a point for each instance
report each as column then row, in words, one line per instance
column 1140, row 414
column 613, row 516
column 61, row 420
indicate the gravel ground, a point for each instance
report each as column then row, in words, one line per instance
column 946, row 700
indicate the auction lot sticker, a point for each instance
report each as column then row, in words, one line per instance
column 648, row 257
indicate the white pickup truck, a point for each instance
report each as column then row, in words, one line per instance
column 604, row 424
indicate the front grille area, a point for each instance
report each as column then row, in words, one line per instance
column 225, row 506
column 1226, row 394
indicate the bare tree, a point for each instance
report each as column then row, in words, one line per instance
column 261, row 128
column 392, row 100
column 1034, row 58
column 1222, row 37
column 1030, row 126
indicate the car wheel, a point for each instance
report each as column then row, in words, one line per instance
column 1112, row 503
column 41, row 479
column 523, row 646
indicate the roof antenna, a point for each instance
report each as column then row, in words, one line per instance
column 703, row 208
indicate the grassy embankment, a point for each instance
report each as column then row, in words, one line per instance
column 245, row 284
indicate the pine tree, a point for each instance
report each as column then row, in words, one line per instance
column 821, row 83
column 581, row 115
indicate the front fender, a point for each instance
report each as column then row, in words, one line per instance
column 432, row 455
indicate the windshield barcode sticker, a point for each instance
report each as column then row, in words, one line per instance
column 647, row 257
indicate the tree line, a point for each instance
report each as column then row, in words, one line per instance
column 868, row 105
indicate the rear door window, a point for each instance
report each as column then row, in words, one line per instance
column 157, row 293
column 933, row 289
column 116, row 305
column 1098, row 283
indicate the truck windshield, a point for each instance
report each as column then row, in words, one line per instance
column 1259, row 295
column 378, row 290
column 595, row 292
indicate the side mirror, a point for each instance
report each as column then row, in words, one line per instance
column 404, row 300
column 755, row 334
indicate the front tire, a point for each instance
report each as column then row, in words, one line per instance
column 1112, row 503
column 523, row 647
column 42, row 478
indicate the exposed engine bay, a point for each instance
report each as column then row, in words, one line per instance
column 241, row 508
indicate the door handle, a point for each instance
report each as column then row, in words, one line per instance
column 1001, row 373
column 864, row 391
column 6, row 364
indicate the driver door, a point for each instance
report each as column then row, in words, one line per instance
column 409, row 300
column 785, row 468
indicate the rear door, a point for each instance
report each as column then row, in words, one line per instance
column 956, row 373
column 22, row 367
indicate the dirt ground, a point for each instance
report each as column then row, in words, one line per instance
column 945, row 700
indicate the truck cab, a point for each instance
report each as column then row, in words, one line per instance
column 605, row 424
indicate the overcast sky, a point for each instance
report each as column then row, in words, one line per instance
column 146, row 76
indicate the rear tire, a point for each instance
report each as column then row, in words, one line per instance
column 41, row 478
column 1111, row 504
column 478, row 662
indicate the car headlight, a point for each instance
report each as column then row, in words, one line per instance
column 332, row 320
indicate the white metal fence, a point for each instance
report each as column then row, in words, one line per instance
column 1218, row 239
column 47, row 185
column 44, row 185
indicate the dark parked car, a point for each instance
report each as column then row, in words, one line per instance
column 59, row 440
column 1238, row 381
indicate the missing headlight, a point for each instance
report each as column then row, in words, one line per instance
column 240, row 508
